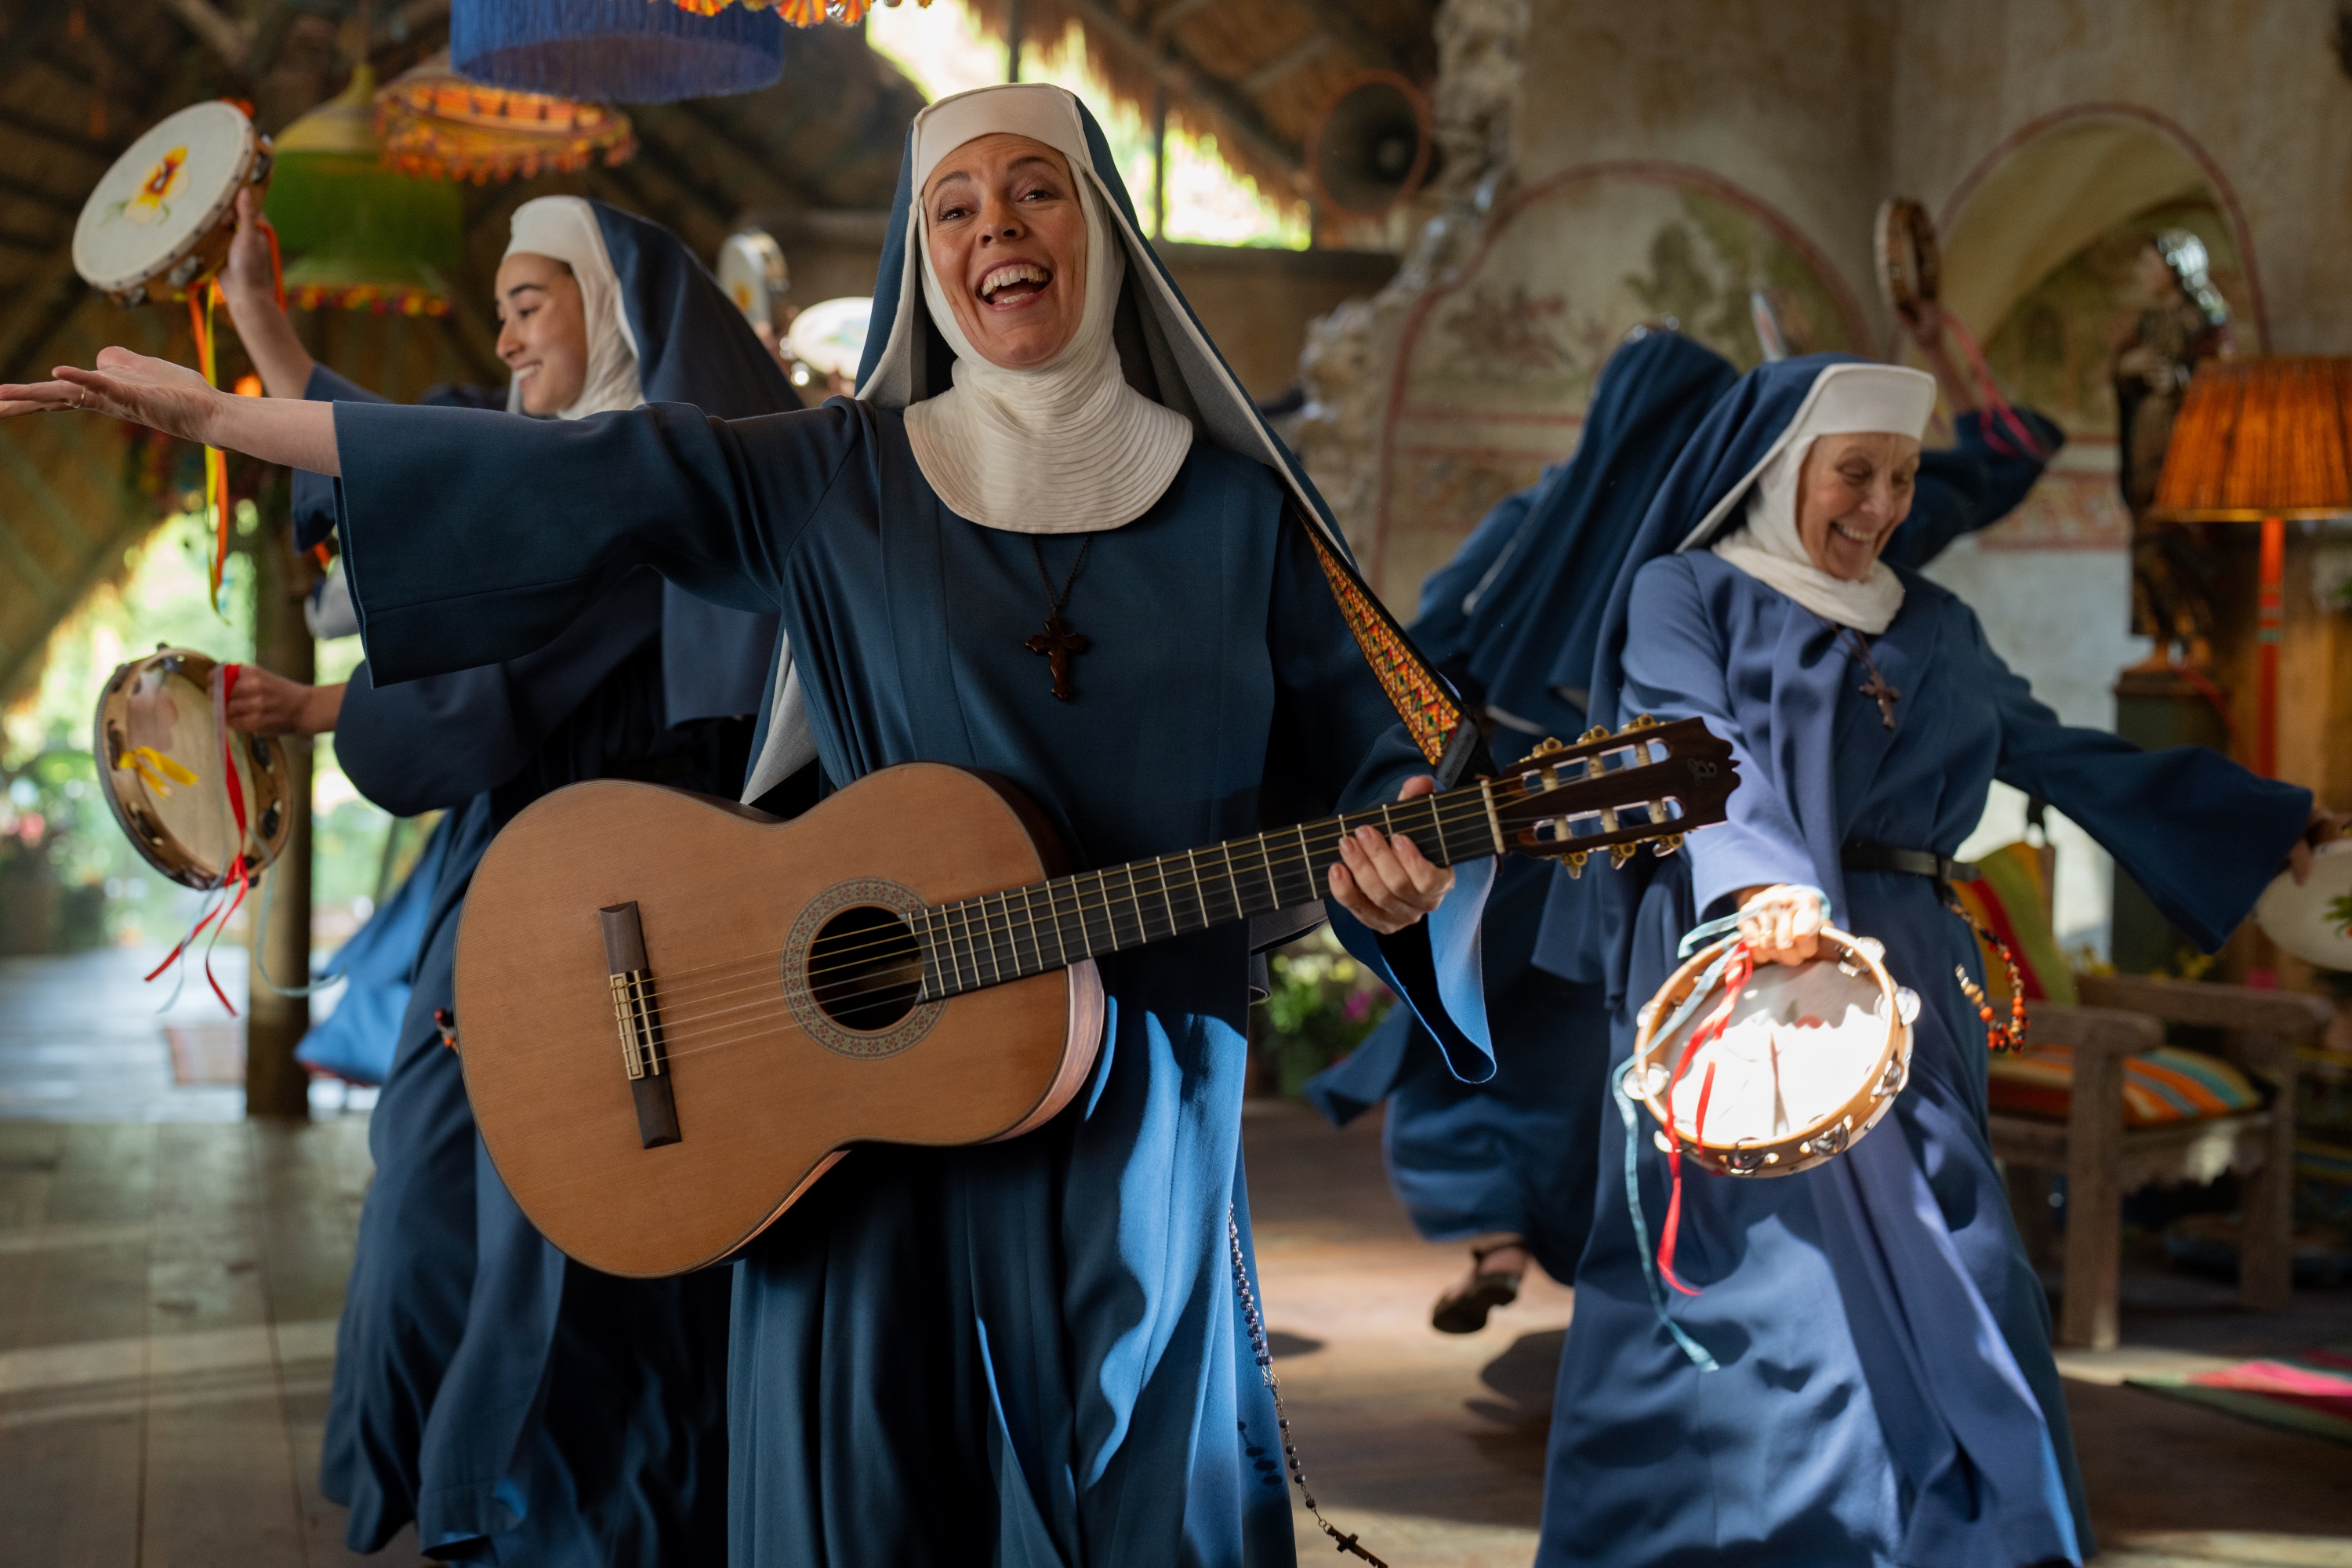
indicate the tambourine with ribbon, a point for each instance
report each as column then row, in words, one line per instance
column 1911, row 279
column 205, row 805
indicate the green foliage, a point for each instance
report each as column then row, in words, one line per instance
column 1322, row 1005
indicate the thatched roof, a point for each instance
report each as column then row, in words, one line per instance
column 1254, row 74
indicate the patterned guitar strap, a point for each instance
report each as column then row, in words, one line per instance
column 1449, row 738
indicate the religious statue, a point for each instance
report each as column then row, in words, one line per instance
column 2184, row 321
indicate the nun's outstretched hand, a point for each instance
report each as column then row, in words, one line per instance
column 177, row 400
column 1387, row 882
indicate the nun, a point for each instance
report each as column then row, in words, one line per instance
column 517, row 1407
column 1034, row 1351
column 1508, row 1165
column 1863, row 1374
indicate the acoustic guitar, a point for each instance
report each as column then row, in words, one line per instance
column 676, row 1013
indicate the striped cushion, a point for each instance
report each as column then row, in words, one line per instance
column 2167, row 1084
column 2010, row 895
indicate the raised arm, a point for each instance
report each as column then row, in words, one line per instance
column 176, row 401
column 247, row 283
column 2202, row 835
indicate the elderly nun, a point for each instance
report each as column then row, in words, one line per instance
column 1032, row 1352
column 518, row 1406
column 1864, row 1375
column 1514, row 617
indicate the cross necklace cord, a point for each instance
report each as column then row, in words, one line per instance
column 1057, row 642
column 1876, row 688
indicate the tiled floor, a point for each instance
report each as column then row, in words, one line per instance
column 170, row 1280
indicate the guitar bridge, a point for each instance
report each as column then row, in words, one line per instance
column 638, row 1018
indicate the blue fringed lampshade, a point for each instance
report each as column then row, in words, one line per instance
column 624, row 52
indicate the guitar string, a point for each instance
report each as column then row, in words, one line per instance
column 1474, row 807
column 1007, row 920
column 672, row 1033
column 970, row 945
column 680, row 1027
column 1289, row 858
column 1322, row 847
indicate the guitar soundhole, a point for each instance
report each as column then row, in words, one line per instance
column 865, row 968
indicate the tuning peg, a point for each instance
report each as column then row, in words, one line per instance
column 1667, row 846
column 1621, row 853
column 1574, row 859
column 1547, row 746
column 1598, row 733
column 1642, row 721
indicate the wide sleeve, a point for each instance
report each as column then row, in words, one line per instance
column 417, row 745
column 471, row 537
column 312, row 496
column 1679, row 664
column 2202, row 835
column 1970, row 485
column 1339, row 745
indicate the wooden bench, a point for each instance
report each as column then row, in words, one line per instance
column 2121, row 1015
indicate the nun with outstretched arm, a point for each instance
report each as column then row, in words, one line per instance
column 1037, row 1351
column 1861, row 1372
column 517, row 1407
column 1508, row 1165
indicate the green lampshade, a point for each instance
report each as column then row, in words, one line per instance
column 356, row 233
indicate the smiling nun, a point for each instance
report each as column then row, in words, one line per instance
column 1028, row 1353
column 1864, row 1375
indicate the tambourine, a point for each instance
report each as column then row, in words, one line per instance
column 178, row 782
column 1910, row 266
column 753, row 271
column 1807, row 1061
column 2313, row 920
column 161, row 218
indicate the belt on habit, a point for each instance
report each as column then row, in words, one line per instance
column 1904, row 862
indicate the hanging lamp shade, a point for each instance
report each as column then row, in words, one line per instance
column 615, row 51
column 438, row 126
column 358, row 234
column 799, row 13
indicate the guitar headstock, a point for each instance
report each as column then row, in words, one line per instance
column 1648, row 783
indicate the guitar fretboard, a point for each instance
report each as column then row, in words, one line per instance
column 1052, row 924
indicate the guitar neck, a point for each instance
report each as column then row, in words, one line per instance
column 1052, row 924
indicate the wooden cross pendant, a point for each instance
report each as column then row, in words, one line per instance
column 1878, row 689
column 1059, row 644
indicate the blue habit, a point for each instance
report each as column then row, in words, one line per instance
column 1515, row 618
column 498, row 1394
column 1886, row 1390
column 1028, row 1352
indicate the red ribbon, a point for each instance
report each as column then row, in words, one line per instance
column 1736, row 975
column 238, row 872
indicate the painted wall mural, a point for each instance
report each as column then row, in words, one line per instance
column 1496, row 368
column 2055, row 350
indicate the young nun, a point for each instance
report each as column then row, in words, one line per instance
column 520, row 1408
column 1028, row 1353
column 1864, row 1375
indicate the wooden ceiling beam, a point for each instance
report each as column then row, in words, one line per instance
column 227, row 36
column 1343, row 27
column 23, row 191
column 64, row 140
column 1314, row 46
column 1181, row 74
